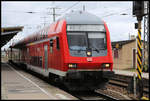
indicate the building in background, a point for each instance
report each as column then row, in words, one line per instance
column 124, row 53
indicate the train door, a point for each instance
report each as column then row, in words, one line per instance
column 45, row 58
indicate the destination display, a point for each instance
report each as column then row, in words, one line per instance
column 85, row 28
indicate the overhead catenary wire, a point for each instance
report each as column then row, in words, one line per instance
column 71, row 7
column 29, row 12
column 116, row 13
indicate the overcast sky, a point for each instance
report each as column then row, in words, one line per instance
column 15, row 14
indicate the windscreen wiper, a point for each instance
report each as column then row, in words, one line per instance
column 81, row 50
column 95, row 49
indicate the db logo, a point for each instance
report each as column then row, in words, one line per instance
column 89, row 59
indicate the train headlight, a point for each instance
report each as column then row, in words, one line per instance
column 88, row 53
column 106, row 65
column 72, row 65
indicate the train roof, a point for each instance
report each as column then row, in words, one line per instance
column 82, row 17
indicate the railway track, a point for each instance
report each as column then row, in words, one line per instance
column 125, row 83
column 112, row 94
column 100, row 94
column 92, row 95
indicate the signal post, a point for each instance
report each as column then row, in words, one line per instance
column 138, row 11
column 139, row 61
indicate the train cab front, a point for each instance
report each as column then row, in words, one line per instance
column 88, row 54
column 89, row 58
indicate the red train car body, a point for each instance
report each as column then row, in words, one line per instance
column 75, row 48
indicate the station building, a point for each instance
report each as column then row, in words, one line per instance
column 7, row 33
column 124, row 53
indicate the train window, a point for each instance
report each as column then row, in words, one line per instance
column 94, row 40
column 77, row 41
column 51, row 45
column 97, row 40
column 57, row 43
column 40, row 61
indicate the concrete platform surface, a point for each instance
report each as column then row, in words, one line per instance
column 17, row 84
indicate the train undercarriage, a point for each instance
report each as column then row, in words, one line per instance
column 87, row 80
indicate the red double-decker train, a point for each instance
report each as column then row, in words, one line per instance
column 76, row 50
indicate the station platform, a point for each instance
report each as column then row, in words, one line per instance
column 19, row 85
column 129, row 73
